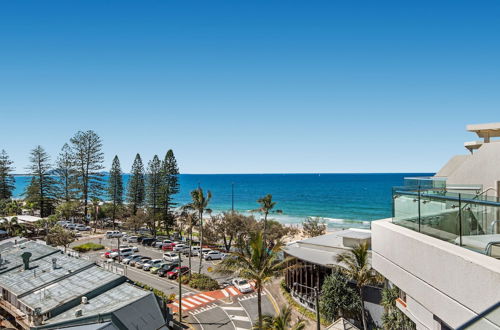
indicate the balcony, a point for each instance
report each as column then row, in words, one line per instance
column 459, row 215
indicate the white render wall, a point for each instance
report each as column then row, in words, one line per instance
column 443, row 279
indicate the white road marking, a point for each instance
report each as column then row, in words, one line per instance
column 177, row 305
column 193, row 301
column 225, row 292
column 201, row 299
column 187, row 304
column 230, row 308
column 233, row 291
column 240, row 318
column 208, row 297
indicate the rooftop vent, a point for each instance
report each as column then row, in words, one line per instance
column 54, row 263
column 78, row 313
column 26, row 260
column 84, row 300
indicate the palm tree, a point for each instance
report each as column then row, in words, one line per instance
column 266, row 205
column 281, row 322
column 12, row 226
column 199, row 203
column 254, row 262
column 357, row 268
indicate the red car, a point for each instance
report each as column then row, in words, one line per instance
column 168, row 246
column 107, row 254
column 175, row 272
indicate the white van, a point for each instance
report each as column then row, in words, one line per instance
column 170, row 256
column 124, row 252
column 113, row 234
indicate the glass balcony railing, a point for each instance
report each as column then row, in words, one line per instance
column 469, row 219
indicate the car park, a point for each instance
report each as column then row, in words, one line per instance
column 242, row 285
column 174, row 273
column 170, row 256
column 139, row 263
column 151, row 263
column 213, row 255
column 166, row 267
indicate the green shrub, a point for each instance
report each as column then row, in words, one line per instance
column 203, row 282
column 88, row 247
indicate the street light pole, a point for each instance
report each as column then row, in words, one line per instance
column 180, row 288
column 316, row 297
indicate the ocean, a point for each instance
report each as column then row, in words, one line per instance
column 342, row 199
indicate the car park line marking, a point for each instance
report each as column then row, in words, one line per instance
column 231, row 308
column 208, row 297
column 194, row 301
column 239, row 328
column 233, row 291
column 225, row 292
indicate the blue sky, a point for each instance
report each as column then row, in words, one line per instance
column 251, row 86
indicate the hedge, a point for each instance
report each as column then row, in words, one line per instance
column 157, row 292
column 88, row 247
column 201, row 282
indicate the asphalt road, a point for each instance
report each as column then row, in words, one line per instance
column 235, row 312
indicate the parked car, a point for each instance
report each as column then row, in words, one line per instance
column 213, row 255
column 140, row 238
column 170, row 256
column 127, row 259
column 134, row 248
column 168, row 246
column 140, row 263
column 166, row 267
column 151, row 263
column 107, row 254
column 113, row 234
column 148, row 241
column 242, row 285
column 122, row 252
column 82, row 227
column 132, row 239
column 174, row 273
column 180, row 247
column 132, row 259
column 133, row 262
column 71, row 226
column 159, row 244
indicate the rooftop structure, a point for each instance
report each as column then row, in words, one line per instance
column 42, row 288
column 485, row 131
column 442, row 245
column 316, row 258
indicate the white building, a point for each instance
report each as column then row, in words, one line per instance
column 442, row 245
